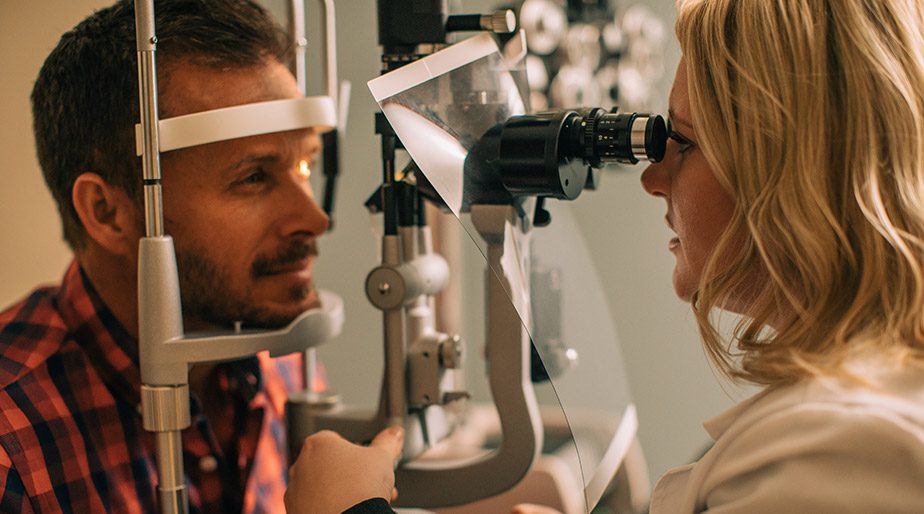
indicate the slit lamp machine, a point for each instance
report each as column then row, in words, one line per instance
column 461, row 113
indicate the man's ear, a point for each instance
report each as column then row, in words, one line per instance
column 108, row 214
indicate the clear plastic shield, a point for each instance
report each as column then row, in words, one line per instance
column 440, row 107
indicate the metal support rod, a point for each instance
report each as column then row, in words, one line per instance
column 146, row 43
column 395, row 351
column 389, row 200
column 300, row 42
column 331, row 141
column 408, row 240
column 395, row 400
column 329, row 31
column 169, row 446
column 174, row 497
column 165, row 411
column 310, row 364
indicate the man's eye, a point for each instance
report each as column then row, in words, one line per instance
column 255, row 177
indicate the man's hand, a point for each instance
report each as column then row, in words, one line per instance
column 332, row 474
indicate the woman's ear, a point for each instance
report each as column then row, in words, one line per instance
column 108, row 214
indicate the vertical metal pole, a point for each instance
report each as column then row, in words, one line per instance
column 331, row 139
column 330, row 53
column 172, row 492
column 171, row 483
column 147, row 89
column 392, row 320
column 300, row 40
column 395, row 351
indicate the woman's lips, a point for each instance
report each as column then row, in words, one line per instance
column 673, row 244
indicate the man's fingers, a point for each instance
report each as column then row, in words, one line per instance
column 391, row 440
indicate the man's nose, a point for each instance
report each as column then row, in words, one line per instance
column 303, row 213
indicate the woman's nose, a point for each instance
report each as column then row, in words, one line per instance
column 655, row 180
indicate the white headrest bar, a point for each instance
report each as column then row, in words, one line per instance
column 243, row 120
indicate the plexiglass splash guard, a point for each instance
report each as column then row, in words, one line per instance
column 440, row 107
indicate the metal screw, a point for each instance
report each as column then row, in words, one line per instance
column 384, row 288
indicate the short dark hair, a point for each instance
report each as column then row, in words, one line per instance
column 85, row 99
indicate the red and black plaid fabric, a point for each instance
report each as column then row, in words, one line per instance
column 71, row 438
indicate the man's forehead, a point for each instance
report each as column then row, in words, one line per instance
column 191, row 87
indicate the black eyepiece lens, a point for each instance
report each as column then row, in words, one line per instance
column 655, row 138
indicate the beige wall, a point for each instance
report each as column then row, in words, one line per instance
column 31, row 248
column 672, row 384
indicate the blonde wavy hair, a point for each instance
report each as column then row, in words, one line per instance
column 811, row 114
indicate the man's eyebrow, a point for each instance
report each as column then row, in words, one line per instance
column 676, row 119
column 255, row 159
column 311, row 149
column 314, row 148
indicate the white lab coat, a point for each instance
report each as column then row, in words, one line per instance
column 820, row 445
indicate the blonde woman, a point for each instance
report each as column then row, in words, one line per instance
column 795, row 184
column 794, row 181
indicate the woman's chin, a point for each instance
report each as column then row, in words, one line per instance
column 684, row 286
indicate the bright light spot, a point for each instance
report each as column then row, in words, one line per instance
column 304, row 169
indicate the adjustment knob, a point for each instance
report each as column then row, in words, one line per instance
column 500, row 22
column 451, row 351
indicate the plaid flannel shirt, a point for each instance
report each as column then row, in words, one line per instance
column 71, row 437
